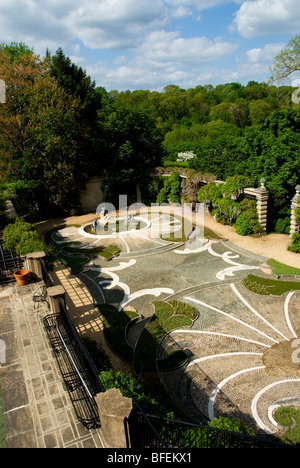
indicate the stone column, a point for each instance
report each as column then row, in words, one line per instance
column 34, row 263
column 54, row 293
column 262, row 196
column 113, row 410
column 294, row 225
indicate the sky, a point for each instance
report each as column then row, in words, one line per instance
column 149, row 44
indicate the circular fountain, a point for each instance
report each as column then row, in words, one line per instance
column 109, row 226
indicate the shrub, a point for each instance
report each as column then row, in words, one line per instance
column 243, row 225
column 247, row 222
column 283, row 226
column 22, row 237
column 12, row 234
column 130, row 387
column 29, row 242
column 295, row 245
column 298, row 213
column 231, row 425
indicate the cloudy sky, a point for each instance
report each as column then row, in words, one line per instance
column 148, row 44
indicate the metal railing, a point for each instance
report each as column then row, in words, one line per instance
column 183, row 435
column 76, row 370
column 9, row 263
column 140, row 432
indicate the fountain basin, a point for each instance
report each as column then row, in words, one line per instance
column 115, row 227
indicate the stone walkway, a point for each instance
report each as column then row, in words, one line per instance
column 37, row 408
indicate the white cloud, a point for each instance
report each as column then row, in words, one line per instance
column 264, row 54
column 260, row 18
column 164, row 47
column 116, row 23
column 104, row 25
column 147, row 53
column 163, row 58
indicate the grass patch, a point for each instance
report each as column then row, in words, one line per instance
column 266, row 286
column 174, row 359
column 168, row 316
column 115, row 323
column 281, row 269
column 209, row 233
column 75, row 257
column 288, row 417
column 106, row 251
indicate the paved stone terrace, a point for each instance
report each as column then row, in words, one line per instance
column 38, row 411
column 37, row 408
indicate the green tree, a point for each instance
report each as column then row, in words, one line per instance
column 40, row 132
column 259, row 110
column 132, row 145
column 210, row 194
column 271, row 151
column 70, row 77
column 175, row 193
column 287, row 61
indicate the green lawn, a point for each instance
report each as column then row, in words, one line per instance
column 267, row 286
column 289, row 418
column 75, row 257
column 281, row 269
column 168, row 316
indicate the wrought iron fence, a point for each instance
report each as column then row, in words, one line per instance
column 140, row 432
column 9, row 263
column 183, row 435
column 76, row 368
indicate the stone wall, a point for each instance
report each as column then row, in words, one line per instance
column 93, row 195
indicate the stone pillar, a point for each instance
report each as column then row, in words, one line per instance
column 262, row 196
column 34, row 262
column 294, row 225
column 113, row 410
column 54, row 293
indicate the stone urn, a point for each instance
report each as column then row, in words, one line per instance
column 22, row 277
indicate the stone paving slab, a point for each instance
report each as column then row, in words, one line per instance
column 37, row 409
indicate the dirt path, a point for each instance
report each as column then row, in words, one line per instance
column 272, row 246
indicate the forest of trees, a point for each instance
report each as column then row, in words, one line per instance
column 57, row 129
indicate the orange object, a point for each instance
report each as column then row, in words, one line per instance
column 22, row 277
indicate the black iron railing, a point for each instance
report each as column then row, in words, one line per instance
column 140, row 432
column 178, row 434
column 77, row 370
column 9, row 263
